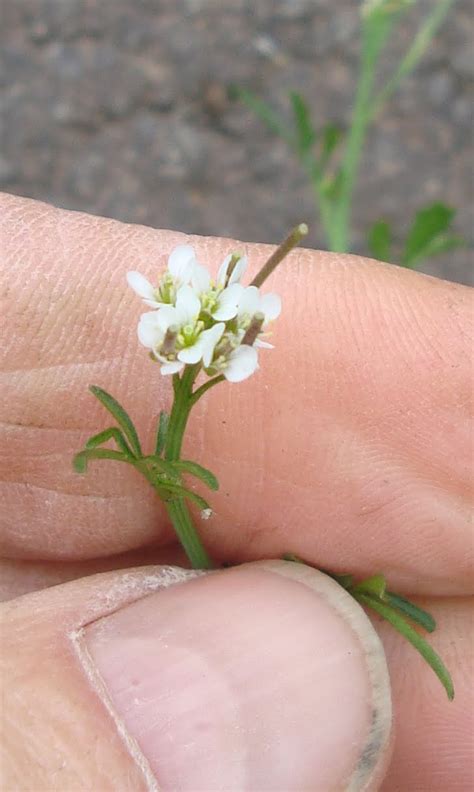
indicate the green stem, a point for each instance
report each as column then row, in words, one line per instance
column 187, row 534
column 339, row 231
column 204, row 388
column 420, row 43
column 183, row 388
column 176, row 507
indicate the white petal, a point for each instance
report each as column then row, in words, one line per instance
column 172, row 367
column 149, row 332
column 181, row 262
column 222, row 271
column 236, row 273
column 192, row 354
column 270, row 305
column 153, row 303
column 140, row 285
column 262, row 344
column 188, row 305
column 209, row 339
column 165, row 317
column 228, row 302
column 249, row 302
column 242, row 364
column 201, row 280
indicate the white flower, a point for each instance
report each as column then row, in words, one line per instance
column 241, row 363
column 181, row 264
column 220, row 303
column 223, row 279
column 218, row 324
column 252, row 303
column 176, row 335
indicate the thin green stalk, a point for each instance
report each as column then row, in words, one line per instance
column 420, row 44
column 176, row 507
column 204, row 388
column 187, row 534
column 179, row 415
column 338, row 237
column 323, row 207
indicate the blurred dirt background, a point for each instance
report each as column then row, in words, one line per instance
column 121, row 108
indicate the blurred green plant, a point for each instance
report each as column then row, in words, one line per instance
column 330, row 157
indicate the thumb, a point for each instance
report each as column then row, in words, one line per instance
column 266, row 676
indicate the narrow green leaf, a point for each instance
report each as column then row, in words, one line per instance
column 375, row 586
column 408, row 632
column 161, row 465
column 443, row 243
column 122, row 418
column 331, row 136
column 305, row 131
column 430, row 222
column 177, row 490
column 82, row 458
column 79, row 463
column 199, row 471
column 331, row 186
column 379, row 240
column 161, row 432
column 416, row 614
column 266, row 113
column 110, row 434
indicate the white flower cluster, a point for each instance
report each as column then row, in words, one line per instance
column 196, row 320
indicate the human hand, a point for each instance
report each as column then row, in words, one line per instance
column 350, row 449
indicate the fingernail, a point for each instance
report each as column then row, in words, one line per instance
column 261, row 677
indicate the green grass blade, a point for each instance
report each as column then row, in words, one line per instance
column 408, row 632
column 122, row 417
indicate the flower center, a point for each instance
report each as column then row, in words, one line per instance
column 166, row 291
column 210, row 300
column 189, row 334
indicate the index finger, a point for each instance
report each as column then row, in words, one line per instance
column 350, row 447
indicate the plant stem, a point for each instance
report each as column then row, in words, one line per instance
column 204, row 388
column 420, row 43
column 339, row 231
column 183, row 387
column 187, row 534
column 176, row 507
column 293, row 239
